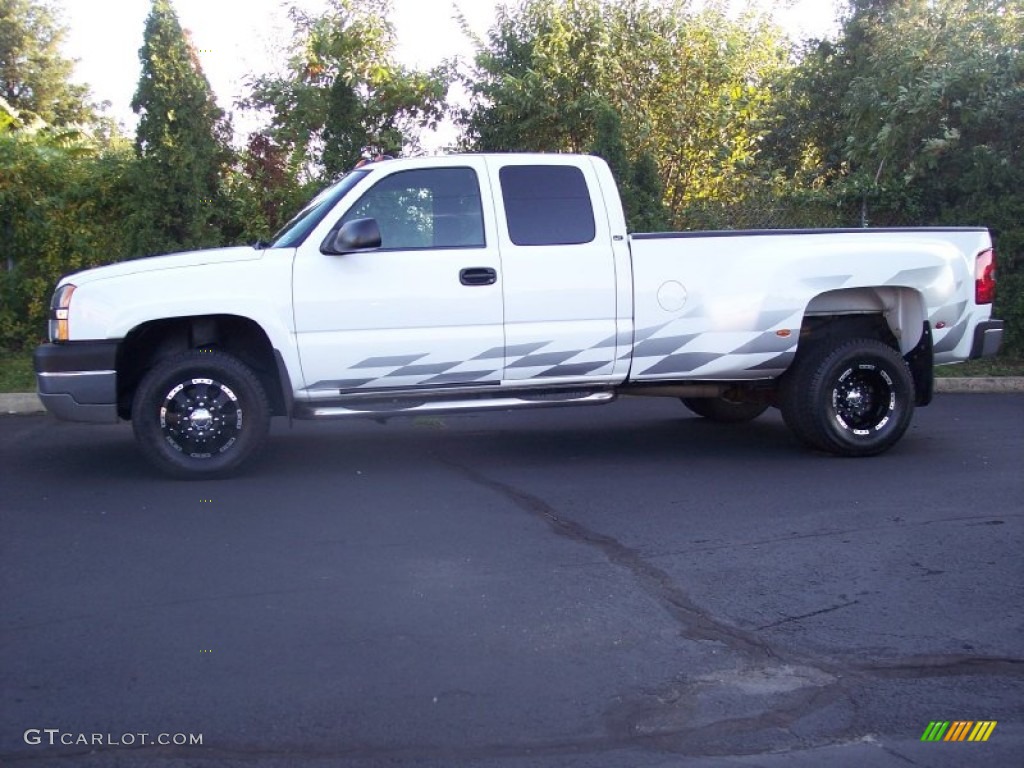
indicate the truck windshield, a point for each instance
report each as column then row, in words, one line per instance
column 295, row 231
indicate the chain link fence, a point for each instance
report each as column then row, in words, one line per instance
column 792, row 213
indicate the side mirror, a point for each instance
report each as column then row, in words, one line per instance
column 355, row 235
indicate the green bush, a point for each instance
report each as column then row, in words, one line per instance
column 62, row 201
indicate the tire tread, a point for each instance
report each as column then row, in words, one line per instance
column 193, row 362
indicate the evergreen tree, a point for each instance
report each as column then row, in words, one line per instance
column 181, row 141
column 35, row 79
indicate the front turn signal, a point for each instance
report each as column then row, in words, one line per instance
column 60, row 313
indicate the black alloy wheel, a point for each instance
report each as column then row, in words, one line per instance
column 856, row 399
column 200, row 414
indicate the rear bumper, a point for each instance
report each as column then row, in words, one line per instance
column 988, row 336
column 77, row 381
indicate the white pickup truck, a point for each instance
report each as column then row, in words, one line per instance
column 502, row 281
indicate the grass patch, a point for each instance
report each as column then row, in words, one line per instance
column 16, row 374
column 997, row 366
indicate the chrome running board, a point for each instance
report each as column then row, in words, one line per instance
column 399, row 407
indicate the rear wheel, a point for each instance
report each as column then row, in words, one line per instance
column 856, row 399
column 723, row 410
column 200, row 414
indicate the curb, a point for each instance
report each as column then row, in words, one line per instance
column 20, row 403
column 28, row 402
column 989, row 385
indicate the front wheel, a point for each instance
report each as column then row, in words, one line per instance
column 856, row 399
column 200, row 414
column 723, row 410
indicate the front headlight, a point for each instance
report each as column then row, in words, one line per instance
column 60, row 311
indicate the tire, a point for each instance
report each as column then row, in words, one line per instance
column 200, row 414
column 856, row 399
column 723, row 410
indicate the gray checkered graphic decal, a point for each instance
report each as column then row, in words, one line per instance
column 959, row 309
column 387, row 362
column 423, row 370
column 684, row 362
column 952, row 338
column 680, row 354
column 776, row 364
column 414, row 371
column 546, row 358
column 653, row 355
column 662, row 347
column 466, row 377
column 918, row 276
column 688, row 346
column 765, row 343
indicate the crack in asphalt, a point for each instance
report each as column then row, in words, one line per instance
column 654, row 581
column 941, row 666
column 898, row 756
column 802, row 616
column 661, row 719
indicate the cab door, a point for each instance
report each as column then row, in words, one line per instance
column 425, row 310
column 559, row 271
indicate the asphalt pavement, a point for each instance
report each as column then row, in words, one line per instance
column 626, row 585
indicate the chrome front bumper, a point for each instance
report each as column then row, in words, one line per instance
column 77, row 381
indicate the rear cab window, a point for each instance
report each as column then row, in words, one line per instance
column 547, row 205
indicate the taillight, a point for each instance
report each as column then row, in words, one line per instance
column 985, row 277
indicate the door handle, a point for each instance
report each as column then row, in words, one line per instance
column 478, row 276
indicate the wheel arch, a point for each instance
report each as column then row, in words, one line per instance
column 895, row 315
column 149, row 342
column 903, row 309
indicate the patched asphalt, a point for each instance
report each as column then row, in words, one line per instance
column 618, row 586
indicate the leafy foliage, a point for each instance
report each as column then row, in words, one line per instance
column 62, row 200
column 912, row 115
column 691, row 88
column 181, row 141
column 260, row 192
column 35, row 79
column 343, row 94
column 638, row 182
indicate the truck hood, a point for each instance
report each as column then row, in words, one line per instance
column 170, row 261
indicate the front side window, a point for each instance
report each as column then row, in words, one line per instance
column 428, row 208
column 547, row 205
column 294, row 233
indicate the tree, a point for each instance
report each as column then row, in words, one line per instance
column 913, row 116
column 261, row 192
column 541, row 78
column 35, row 79
column 62, row 207
column 181, row 141
column 638, row 182
column 691, row 88
column 343, row 93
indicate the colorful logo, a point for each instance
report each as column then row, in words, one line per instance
column 958, row 730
